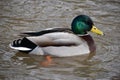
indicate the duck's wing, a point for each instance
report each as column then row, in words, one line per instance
column 44, row 38
column 49, row 30
column 56, row 39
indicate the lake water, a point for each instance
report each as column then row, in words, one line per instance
column 34, row 15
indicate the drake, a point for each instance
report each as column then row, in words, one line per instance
column 60, row 42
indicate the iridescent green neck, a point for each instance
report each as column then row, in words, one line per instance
column 81, row 24
column 79, row 28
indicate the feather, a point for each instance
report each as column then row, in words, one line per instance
column 51, row 30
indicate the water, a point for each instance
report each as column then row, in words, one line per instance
column 27, row 15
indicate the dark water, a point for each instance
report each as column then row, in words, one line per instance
column 27, row 15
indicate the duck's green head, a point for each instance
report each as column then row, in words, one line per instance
column 82, row 24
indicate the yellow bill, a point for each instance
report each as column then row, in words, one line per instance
column 96, row 30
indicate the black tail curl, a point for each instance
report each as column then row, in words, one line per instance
column 24, row 43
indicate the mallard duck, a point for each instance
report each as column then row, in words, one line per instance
column 60, row 42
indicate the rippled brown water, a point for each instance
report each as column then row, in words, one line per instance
column 27, row 15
